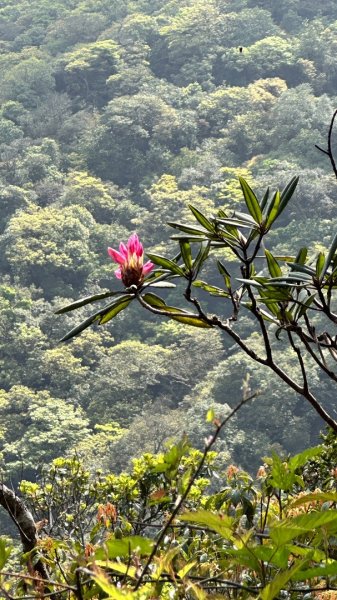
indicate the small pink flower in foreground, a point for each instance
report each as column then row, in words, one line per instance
column 130, row 258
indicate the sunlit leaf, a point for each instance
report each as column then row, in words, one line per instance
column 185, row 249
column 314, row 497
column 330, row 256
column 273, row 210
column 186, row 569
column 320, row 265
column 184, row 317
column 287, row 193
column 162, row 284
column 251, row 201
column 115, row 309
column 211, row 289
column 201, row 257
column 223, row 271
column 189, row 229
column 113, row 593
column 128, row 570
column 222, row 524
column 166, row 263
column 289, row 529
column 210, row 415
column 265, row 199
column 301, row 256
column 114, row 548
column 273, row 588
column 202, row 219
column 273, row 266
column 300, row 459
column 5, row 552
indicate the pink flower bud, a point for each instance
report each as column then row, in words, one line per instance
column 130, row 259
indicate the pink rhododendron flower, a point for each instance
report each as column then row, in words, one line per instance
column 130, row 258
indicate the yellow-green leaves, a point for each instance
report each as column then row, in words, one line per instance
column 222, row 524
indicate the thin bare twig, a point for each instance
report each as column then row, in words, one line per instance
column 329, row 151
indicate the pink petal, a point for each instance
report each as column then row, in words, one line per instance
column 118, row 273
column 139, row 250
column 123, row 250
column 133, row 243
column 147, row 267
column 116, row 256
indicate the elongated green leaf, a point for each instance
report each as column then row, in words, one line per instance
column 154, row 300
column 185, row 317
column 162, row 284
column 276, row 296
column 301, row 256
column 111, row 591
column 84, row 301
column 221, row 524
column 211, row 289
column 79, row 328
column 188, row 319
column 250, row 282
column 5, row 552
column 223, row 271
column 186, row 253
column 201, row 257
column 166, row 263
column 128, row 570
column 251, row 201
column 287, row 193
column 235, row 223
column 189, row 238
column 298, row 268
column 273, row 210
column 330, row 256
column 202, row 219
column 265, row 199
column 277, row 584
column 319, row 265
column 291, row 278
column 273, row 266
column 97, row 317
column 301, row 310
column 185, row 227
column 244, row 218
column 117, row 307
column 186, row 569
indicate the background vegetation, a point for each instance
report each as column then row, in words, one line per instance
column 114, row 116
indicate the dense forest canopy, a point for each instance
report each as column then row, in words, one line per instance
column 114, row 117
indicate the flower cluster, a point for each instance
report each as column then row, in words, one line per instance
column 130, row 258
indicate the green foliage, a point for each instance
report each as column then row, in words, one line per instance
column 117, row 116
column 254, row 535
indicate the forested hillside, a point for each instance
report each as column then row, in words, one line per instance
column 114, row 116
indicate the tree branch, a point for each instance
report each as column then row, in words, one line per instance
column 23, row 520
column 329, row 151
